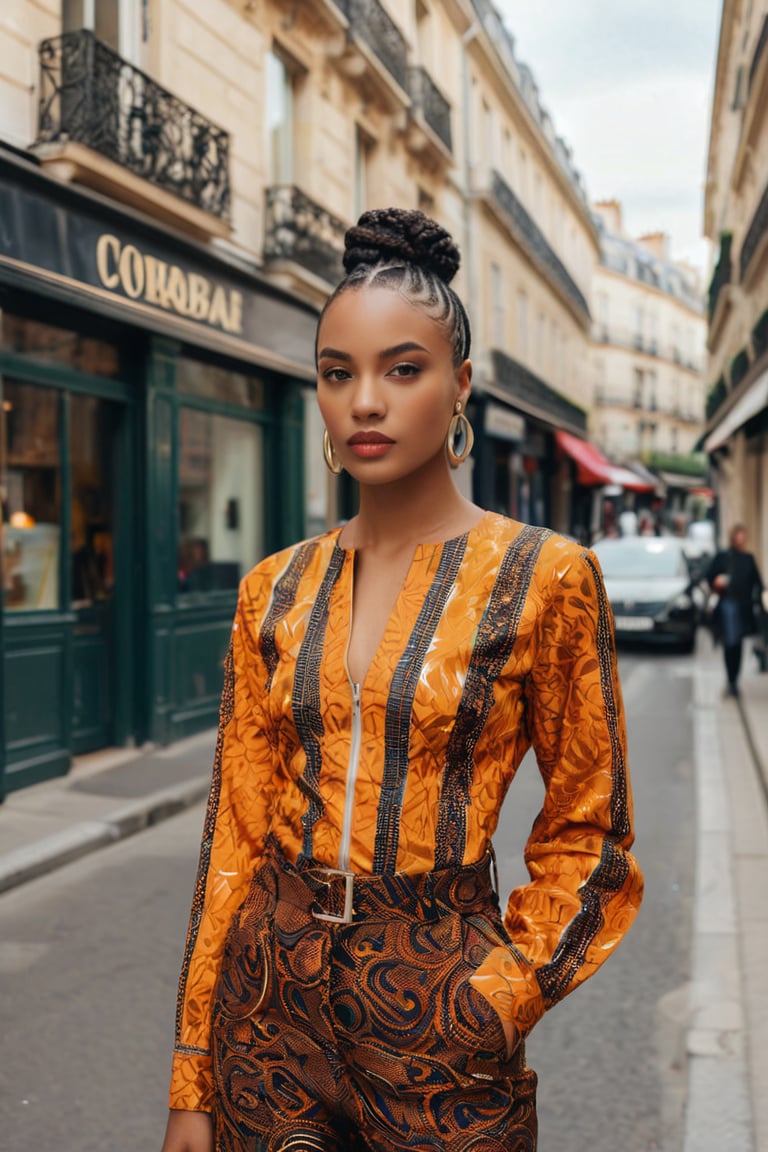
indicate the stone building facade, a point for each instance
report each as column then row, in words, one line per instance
column 649, row 336
column 736, row 221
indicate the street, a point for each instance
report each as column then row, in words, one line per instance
column 89, row 957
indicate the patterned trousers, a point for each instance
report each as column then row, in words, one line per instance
column 365, row 1036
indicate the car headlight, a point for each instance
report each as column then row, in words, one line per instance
column 680, row 603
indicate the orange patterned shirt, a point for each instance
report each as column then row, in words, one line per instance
column 500, row 639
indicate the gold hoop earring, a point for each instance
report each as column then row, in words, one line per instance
column 332, row 461
column 460, row 438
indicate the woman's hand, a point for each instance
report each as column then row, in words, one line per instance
column 188, row 1132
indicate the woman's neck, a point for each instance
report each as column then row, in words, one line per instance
column 410, row 512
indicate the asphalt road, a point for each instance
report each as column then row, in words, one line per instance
column 89, row 958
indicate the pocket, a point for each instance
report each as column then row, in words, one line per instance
column 404, row 1009
column 245, row 973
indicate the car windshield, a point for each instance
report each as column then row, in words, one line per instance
column 640, row 558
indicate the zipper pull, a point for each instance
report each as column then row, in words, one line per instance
column 356, row 694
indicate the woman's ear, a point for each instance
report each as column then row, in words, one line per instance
column 464, row 381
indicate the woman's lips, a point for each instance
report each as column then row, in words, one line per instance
column 369, row 445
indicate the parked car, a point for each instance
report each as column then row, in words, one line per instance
column 651, row 589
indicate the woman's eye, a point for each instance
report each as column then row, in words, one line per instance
column 335, row 375
column 405, row 370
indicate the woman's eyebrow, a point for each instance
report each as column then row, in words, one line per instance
column 398, row 349
column 333, row 354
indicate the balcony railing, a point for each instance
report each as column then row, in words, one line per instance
column 722, row 274
column 89, row 95
column 300, row 230
column 536, row 242
column 716, row 397
column 427, row 99
column 371, row 22
column 520, row 383
column 755, row 234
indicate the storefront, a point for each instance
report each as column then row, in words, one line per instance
column 519, row 471
column 152, row 402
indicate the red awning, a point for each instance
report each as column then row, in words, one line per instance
column 592, row 468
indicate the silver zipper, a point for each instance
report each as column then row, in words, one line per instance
column 354, row 763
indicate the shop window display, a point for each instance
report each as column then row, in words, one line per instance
column 30, row 487
column 221, row 532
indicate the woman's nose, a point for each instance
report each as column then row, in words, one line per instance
column 367, row 400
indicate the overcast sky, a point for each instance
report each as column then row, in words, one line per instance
column 629, row 84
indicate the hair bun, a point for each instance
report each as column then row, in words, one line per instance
column 393, row 235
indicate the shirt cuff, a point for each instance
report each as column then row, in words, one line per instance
column 191, row 1083
column 508, row 982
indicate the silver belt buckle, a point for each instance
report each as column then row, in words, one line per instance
column 349, row 883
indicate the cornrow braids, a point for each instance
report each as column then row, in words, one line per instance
column 405, row 251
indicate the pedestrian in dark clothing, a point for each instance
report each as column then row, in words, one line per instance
column 733, row 574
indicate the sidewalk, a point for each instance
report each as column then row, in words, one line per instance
column 727, row 1032
column 114, row 794
column 106, row 796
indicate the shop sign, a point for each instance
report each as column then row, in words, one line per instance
column 52, row 236
column 503, row 423
column 143, row 276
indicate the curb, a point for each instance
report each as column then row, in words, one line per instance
column 24, row 864
column 718, row 1112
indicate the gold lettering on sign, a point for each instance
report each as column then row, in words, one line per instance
column 167, row 286
column 108, row 246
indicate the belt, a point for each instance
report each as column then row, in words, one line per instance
column 341, row 897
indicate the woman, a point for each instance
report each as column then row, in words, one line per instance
column 733, row 574
column 349, row 981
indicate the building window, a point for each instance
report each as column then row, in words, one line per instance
column 213, row 382
column 121, row 24
column 541, row 343
column 426, row 202
column 507, row 158
column 653, row 333
column 279, row 118
column 30, row 472
column 51, row 345
column 637, row 398
column 652, row 396
column 489, row 133
column 522, row 325
column 363, row 158
column 497, row 307
column 603, row 312
column 523, row 175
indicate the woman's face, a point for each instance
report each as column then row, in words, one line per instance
column 386, row 384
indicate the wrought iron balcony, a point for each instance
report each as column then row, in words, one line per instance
column 91, row 96
column 536, row 242
column 722, row 274
column 716, row 397
column 522, row 384
column 427, row 99
column 372, row 24
column 755, row 234
column 300, row 230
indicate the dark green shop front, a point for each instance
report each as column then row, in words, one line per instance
column 151, row 450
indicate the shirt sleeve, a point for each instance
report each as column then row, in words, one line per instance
column 234, row 831
column 585, row 886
